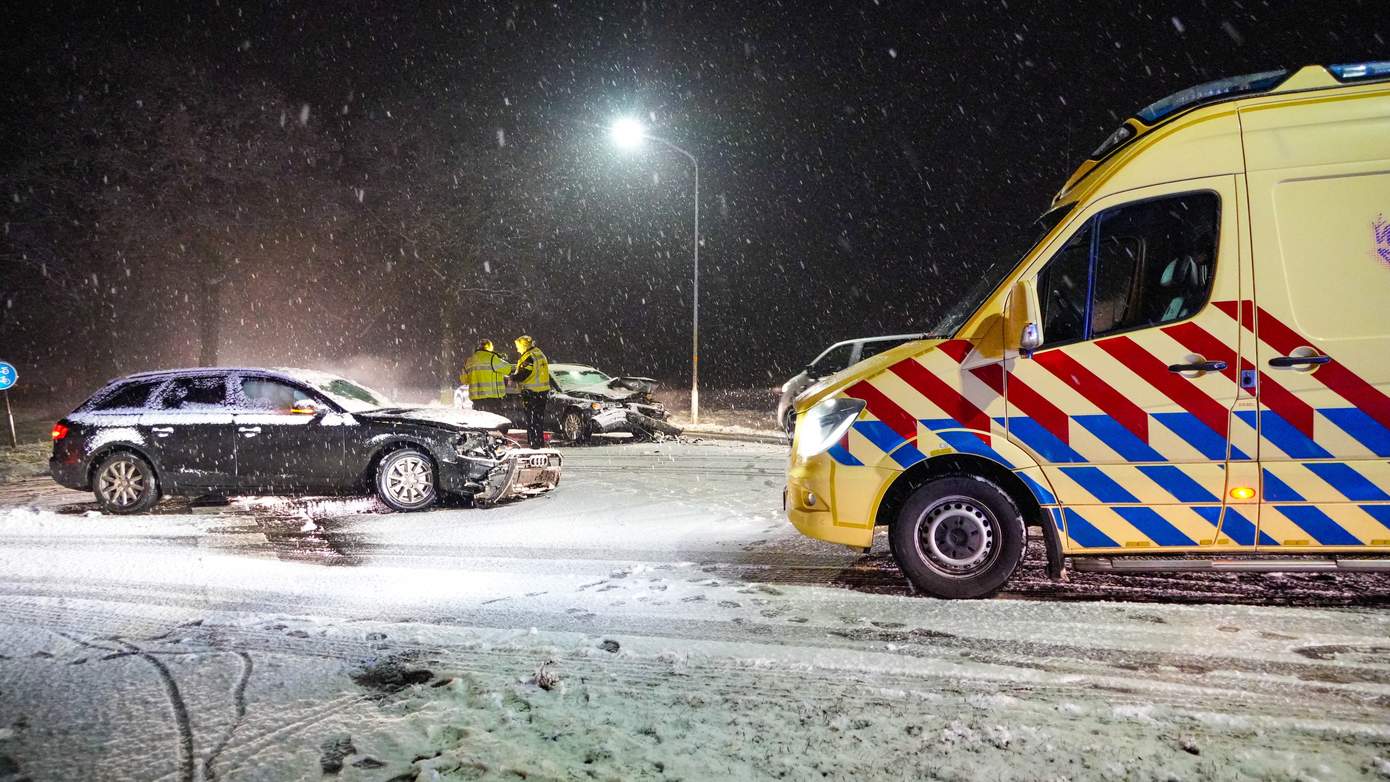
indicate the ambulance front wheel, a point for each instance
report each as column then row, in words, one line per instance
column 958, row 537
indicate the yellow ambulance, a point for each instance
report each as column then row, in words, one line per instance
column 1190, row 369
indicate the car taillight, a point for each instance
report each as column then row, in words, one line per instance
column 59, row 431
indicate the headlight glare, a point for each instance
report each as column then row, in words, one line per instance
column 824, row 424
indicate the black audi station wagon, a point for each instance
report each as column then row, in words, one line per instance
column 225, row 432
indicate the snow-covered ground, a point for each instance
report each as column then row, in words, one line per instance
column 653, row 618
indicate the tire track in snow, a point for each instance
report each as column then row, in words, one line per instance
column 177, row 706
column 1329, row 687
column 239, row 714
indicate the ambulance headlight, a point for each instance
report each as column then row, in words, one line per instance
column 823, row 425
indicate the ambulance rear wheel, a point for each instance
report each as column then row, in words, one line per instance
column 958, row 537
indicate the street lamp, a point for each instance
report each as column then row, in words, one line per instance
column 628, row 133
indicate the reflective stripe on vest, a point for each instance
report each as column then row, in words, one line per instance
column 486, row 375
column 539, row 379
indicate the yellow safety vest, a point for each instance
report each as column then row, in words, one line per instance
column 486, row 375
column 539, row 379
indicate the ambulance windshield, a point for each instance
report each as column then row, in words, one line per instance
column 952, row 319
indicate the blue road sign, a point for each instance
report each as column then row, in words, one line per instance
column 8, row 377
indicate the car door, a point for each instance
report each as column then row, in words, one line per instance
column 189, row 432
column 1127, row 404
column 288, row 438
column 1321, row 241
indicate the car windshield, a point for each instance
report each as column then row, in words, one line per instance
column 352, row 397
column 578, row 377
column 952, row 319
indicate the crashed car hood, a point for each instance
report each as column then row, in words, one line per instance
column 440, row 416
column 618, row 389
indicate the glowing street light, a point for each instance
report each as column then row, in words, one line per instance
column 628, row 133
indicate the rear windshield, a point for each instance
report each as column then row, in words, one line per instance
column 130, row 396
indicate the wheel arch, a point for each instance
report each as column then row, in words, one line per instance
column 102, row 453
column 386, row 447
column 909, row 480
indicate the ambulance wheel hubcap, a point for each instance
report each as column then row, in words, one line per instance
column 956, row 536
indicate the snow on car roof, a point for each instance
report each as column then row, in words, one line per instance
column 326, row 382
column 207, row 370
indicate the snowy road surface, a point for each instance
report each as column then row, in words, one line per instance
column 655, row 618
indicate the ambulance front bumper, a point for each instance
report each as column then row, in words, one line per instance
column 809, row 502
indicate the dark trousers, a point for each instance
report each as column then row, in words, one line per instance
column 534, row 403
column 495, row 405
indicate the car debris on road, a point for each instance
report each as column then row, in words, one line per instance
column 585, row 402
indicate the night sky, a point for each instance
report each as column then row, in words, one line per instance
column 371, row 187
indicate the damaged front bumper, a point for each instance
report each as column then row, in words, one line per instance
column 521, row 472
column 631, row 421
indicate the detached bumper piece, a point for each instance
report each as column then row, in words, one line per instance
column 521, row 472
column 631, row 421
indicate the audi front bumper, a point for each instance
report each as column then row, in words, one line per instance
column 521, row 472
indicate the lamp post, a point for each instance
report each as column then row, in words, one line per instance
column 629, row 134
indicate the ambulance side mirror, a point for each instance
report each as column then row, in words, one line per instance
column 1024, row 326
column 1030, row 340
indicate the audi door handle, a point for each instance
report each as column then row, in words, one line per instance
column 249, row 429
column 1200, row 366
column 162, row 431
column 1298, row 361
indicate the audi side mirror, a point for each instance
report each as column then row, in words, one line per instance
column 308, row 407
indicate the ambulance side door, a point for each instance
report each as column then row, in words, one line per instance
column 1127, row 405
column 1319, row 189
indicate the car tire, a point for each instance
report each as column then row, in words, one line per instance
column 125, row 483
column 574, row 427
column 789, row 423
column 958, row 536
column 406, row 480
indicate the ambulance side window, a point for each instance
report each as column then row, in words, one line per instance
column 1152, row 262
column 1062, row 290
column 1155, row 262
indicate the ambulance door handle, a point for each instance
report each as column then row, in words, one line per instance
column 1298, row 361
column 1200, row 366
